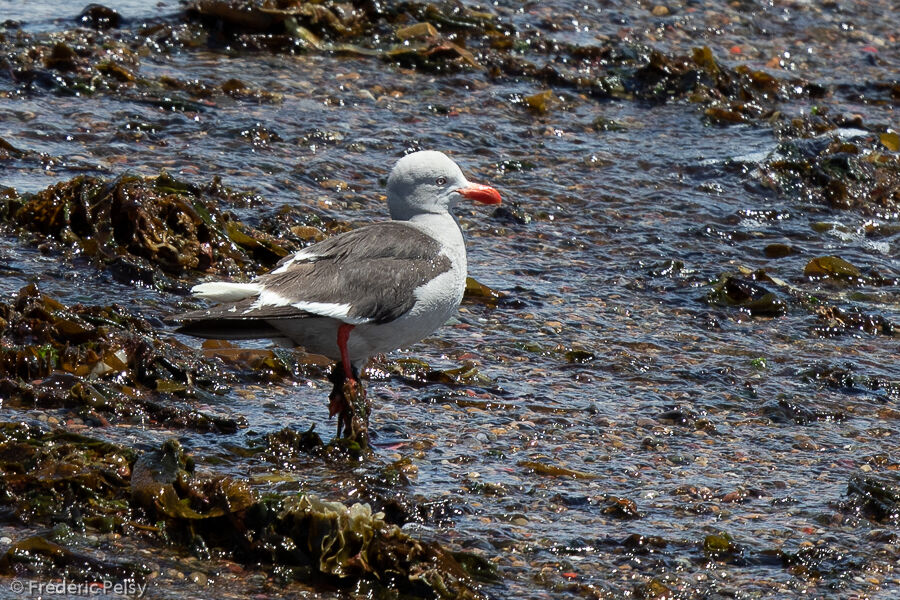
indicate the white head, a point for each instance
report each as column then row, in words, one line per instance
column 429, row 182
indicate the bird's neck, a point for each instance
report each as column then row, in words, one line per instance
column 442, row 226
column 445, row 229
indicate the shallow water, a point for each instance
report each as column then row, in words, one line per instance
column 593, row 270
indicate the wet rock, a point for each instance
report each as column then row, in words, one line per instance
column 789, row 410
column 830, row 267
column 652, row 590
column 512, row 213
column 834, row 320
column 779, row 250
column 821, row 562
column 720, row 547
column 36, row 557
column 7, row 152
column 553, row 470
column 579, row 356
column 620, row 508
column 480, row 293
column 683, row 417
column 848, row 381
column 644, row 544
column 292, row 18
column 62, row 57
column 241, row 91
column 746, row 295
column 874, row 498
column 419, row 372
column 844, row 175
column 99, row 17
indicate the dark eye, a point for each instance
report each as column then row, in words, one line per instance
column 441, row 180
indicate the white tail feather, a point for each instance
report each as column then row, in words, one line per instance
column 225, row 291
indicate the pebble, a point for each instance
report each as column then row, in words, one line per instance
column 678, row 459
column 199, row 578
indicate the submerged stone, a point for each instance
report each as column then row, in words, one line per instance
column 719, row 546
column 40, row 558
column 831, row 266
column 747, row 295
column 540, row 468
column 835, row 320
column 621, row 508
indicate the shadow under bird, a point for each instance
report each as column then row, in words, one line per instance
column 375, row 289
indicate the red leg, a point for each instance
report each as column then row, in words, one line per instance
column 348, row 398
column 344, row 335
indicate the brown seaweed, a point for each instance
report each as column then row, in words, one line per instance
column 101, row 361
column 136, row 225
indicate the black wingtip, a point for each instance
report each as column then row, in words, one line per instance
column 229, row 330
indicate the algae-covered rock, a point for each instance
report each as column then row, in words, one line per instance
column 135, row 225
column 338, row 537
column 540, row 468
column 163, row 483
column 480, row 293
column 352, row 542
column 653, row 590
column 719, row 546
column 103, row 361
column 303, row 534
column 63, row 477
column 60, row 477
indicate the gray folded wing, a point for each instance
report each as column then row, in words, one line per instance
column 368, row 275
